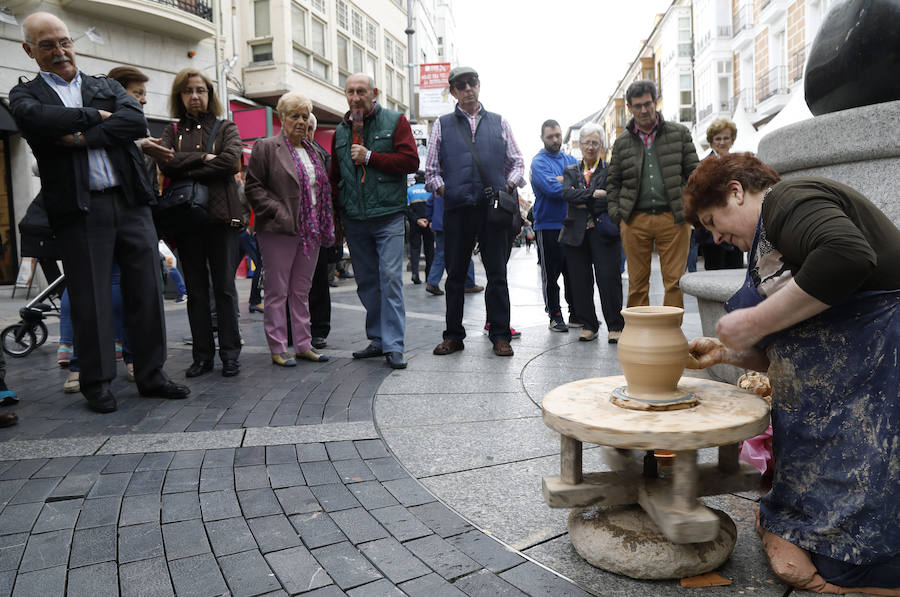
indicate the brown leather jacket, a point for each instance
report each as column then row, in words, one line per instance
column 218, row 174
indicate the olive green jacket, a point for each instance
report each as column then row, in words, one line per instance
column 677, row 159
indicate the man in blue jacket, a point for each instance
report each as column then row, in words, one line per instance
column 549, row 212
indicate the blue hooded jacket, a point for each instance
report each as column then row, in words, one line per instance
column 549, row 206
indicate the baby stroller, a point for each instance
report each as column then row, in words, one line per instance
column 19, row 339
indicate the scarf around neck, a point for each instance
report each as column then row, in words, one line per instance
column 316, row 221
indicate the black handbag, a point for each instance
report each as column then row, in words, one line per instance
column 185, row 200
column 501, row 204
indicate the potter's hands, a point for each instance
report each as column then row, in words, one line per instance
column 705, row 352
column 740, row 329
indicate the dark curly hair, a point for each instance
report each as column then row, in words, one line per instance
column 708, row 185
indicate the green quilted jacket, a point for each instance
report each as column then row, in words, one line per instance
column 677, row 159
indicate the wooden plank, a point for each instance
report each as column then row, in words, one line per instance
column 570, row 460
column 678, row 523
column 618, row 488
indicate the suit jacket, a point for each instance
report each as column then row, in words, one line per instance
column 273, row 188
column 43, row 118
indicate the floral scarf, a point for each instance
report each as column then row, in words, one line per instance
column 316, row 221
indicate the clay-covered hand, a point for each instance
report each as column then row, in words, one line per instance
column 705, row 352
column 739, row 330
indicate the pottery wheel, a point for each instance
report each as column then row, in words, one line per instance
column 724, row 415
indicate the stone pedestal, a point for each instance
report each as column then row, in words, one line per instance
column 624, row 540
column 712, row 289
column 842, row 146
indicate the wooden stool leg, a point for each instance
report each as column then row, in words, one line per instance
column 570, row 460
column 684, row 480
column 728, row 458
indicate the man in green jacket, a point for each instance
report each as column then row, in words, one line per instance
column 372, row 152
column 651, row 161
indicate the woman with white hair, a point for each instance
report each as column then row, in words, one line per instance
column 591, row 240
column 288, row 189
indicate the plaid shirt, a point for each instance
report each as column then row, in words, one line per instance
column 514, row 164
column 648, row 138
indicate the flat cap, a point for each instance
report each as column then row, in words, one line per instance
column 461, row 71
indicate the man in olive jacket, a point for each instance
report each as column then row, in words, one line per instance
column 651, row 161
column 372, row 152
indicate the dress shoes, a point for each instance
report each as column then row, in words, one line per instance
column 230, row 367
column 8, row 419
column 448, row 346
column 502, row 348
column 395, row 360
column 169, row 390
column 417, row 280
column 102, row 402
column 368, row 352
column 198, row 368
column 318, row 342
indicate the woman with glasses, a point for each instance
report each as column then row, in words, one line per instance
column 207, row 250
column 720, row 135
column 289, row 191
column 591, row 240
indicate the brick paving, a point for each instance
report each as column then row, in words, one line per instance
column 110, row 510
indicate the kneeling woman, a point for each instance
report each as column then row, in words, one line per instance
column 820, row 310
column 288, row 189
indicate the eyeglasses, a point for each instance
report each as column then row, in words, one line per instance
column 590, row 144
column 198, row 91
column 642, row 107
column 461, row 85
column 48, row 45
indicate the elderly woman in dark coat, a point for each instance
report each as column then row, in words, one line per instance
column 210, row 247
column 591, row 240
column 288, row 188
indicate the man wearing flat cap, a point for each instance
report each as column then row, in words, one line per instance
column 469, row 186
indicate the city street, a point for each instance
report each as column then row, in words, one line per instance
column 343, row 477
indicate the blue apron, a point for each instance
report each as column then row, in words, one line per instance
column 836, row 426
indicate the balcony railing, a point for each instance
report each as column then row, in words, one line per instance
column 747, row 98
column 742, row 19
column 706, row 111
column 796, row 64
column 199, row 8
column 772, row 83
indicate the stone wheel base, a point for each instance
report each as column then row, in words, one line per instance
column 625, row 540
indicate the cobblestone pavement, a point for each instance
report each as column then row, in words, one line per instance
column 326, row 479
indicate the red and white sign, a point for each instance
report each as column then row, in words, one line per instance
column 434, row 91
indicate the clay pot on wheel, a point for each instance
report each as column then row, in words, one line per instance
column 653, row 352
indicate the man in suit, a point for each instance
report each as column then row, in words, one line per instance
column 82, row 131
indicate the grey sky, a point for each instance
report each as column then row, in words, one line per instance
column 540, row 60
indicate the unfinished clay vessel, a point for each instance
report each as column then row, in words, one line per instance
column 653, row 352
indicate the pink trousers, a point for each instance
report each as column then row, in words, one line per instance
column 288, row 277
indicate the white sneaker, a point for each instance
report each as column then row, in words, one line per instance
column 613, row 337
column 73, row 383
column 587, row 335
column 129, row 371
